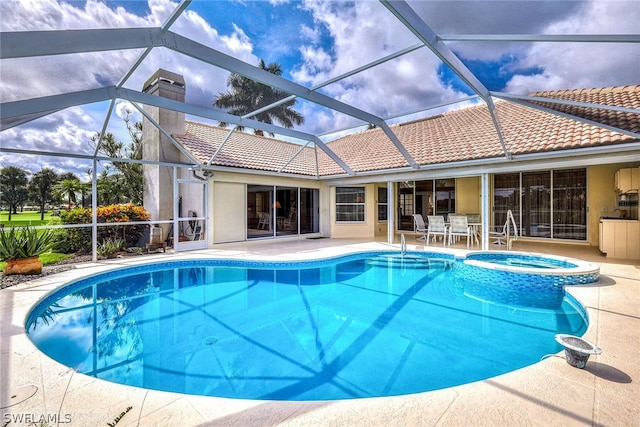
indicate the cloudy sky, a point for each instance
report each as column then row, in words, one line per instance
column 313, row 42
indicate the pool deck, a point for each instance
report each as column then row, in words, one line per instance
column 551, row 392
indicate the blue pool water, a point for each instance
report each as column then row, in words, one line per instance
column 521, row 260
column 368, row 324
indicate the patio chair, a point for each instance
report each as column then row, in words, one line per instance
column 291, row 221
column 436, row 227
column 459, row 227
column 265, row 221
column 506, row 233
column 420, row 226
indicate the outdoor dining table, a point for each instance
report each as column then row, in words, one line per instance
column 476, row 228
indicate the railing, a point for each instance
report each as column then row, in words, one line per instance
column 511, row 221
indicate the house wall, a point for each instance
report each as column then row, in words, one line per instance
column 602, row 196
column 468, row 195
column 228, row 203
column 229, row 199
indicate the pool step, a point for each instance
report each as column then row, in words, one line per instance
column 410, row 261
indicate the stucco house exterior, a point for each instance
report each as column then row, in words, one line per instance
column 554, row 163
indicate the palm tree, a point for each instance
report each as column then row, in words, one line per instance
column 69, row 189
column 247, row 96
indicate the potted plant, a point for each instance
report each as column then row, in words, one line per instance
column 21, row 247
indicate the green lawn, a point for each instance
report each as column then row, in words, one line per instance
column 24, row 218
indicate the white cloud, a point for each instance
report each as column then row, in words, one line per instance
column 401, row 85
column 125, row 110
column 584, row 65
column 311, row 34
column 70, row 130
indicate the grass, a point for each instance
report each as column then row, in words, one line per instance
column 31, row 218
column 53, row 257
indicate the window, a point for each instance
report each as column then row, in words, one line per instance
column 349, row 204
column 382, row 203
column 428, row 197
column 445, row 196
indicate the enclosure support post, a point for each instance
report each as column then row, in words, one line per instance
column 391, row 223
column 94, row 211
column 484, row 197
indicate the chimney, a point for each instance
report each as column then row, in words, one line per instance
column 158, row 180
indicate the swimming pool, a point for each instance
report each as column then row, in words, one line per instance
column 362, row 325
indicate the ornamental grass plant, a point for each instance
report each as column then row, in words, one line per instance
column 21, row 247
column 23, row 242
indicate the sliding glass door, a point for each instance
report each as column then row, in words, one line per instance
column 281, row 211
column 260, row 205
column 286, row 210
column 536, row 204
column 545, row 204
column 570, row 204
column 309, row 211
column 506, row 196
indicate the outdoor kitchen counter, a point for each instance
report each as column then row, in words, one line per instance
column 620, row 238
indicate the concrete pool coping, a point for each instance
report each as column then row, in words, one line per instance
column 549, row 392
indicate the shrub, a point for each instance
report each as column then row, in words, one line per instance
column 60, row 242
column 110, row 247
column 24, row 242
column 80, row 238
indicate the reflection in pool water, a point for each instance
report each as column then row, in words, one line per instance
column 371, row 324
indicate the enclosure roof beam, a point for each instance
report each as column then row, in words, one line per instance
column 407, row 16
column 17, row 109
column 557, row 38
column 42, row 43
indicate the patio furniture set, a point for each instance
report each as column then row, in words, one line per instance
column 456, row 227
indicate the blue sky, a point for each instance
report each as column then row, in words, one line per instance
column 313, row 42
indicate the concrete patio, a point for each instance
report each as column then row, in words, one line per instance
column 35, row 388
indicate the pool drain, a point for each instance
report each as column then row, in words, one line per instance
column 209, row 341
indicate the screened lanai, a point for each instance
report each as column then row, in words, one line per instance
column 71, row 71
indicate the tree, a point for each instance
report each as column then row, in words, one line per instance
column 110, row 187
column 41, row 188
column 13, row 186
column 68, row 188
column 247, row 96
column 128, row 172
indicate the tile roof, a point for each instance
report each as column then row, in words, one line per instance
column 455, row 136
column 624, row 96
column 247, row 151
